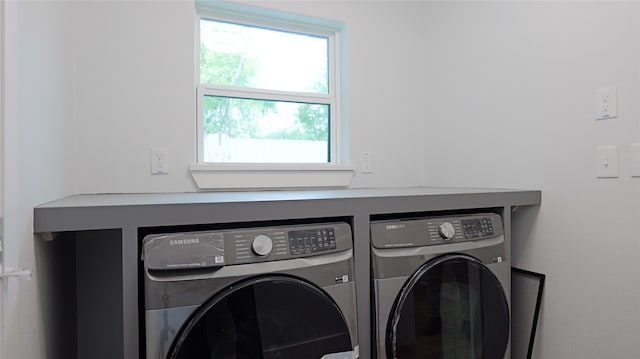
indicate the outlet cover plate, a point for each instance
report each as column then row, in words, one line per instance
column 366, row 162
column 606, row 103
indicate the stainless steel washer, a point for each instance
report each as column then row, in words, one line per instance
column 269, row 292
column 440, row 288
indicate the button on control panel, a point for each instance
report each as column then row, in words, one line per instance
column 477, row 227
column 312, row 241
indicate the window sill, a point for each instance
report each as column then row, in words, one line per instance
column 267, row 176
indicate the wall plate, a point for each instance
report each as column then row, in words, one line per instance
column 606, row 103
column 607, row 161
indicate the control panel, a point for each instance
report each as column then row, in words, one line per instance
column 477, row 227
column 312, row 241
column 435, row 230
column 251, row 245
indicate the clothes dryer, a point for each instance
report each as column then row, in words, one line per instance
column 440, row 288
column 268, row 292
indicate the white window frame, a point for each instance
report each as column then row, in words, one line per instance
column 336, row 172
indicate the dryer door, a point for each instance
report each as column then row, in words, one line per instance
column 452, row 307
column 266, row 317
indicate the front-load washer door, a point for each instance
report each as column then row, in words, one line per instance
column 265, row 318
column 452, row 307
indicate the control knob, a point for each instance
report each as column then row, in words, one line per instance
column 262, row 245
column 446, row 230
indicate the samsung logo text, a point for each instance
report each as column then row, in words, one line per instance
column 394, row 226
column 179, row 242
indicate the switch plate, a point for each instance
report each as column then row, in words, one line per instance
column 606, row 103
column 159, row 161
column 635, row 159
column 607, row 161
column 366, row 162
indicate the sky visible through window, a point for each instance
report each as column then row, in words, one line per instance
column 286, row 61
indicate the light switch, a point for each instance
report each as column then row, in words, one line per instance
column 635, row 159
column 159, row 161
column 607, row 161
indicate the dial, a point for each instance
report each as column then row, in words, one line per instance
column 262, row 245
column 446, row 230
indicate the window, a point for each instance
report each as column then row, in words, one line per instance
column 267, row 90
column 268, row 99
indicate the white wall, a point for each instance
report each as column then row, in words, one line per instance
column 511, row 88
column 135, row 90
column 38, row 152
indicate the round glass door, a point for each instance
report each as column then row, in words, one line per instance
column 452, row 307
column 265, row 318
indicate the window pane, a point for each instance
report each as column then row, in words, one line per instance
column 260, row 131
column 237, row 55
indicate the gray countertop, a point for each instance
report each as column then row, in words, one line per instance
column 142, row 199
column 99, row 211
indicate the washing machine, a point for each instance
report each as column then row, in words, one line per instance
column 263, row 292
column 440, row 288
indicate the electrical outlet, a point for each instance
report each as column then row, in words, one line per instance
column 606, row 103
column 366, row 162
column 159, row 161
